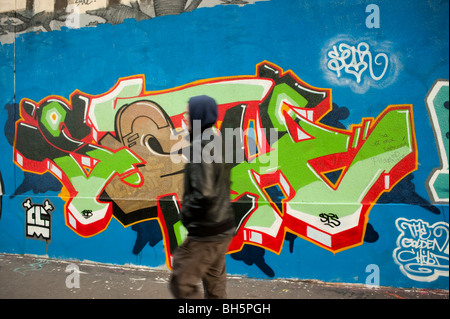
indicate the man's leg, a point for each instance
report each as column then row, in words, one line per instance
column 186, row 275
column 215, row 277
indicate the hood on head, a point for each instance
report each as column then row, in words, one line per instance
column 203, row 108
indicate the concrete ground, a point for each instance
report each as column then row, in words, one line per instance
column 41, row 278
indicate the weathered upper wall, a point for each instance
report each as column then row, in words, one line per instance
column 338, row 113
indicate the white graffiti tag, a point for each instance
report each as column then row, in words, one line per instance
column 356, row 60
column 422, row 250
column 38, row 221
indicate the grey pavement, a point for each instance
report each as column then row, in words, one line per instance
column 32, row 277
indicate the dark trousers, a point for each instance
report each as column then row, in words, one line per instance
column 199, row 261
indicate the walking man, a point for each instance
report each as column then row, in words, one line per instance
column 206, row 209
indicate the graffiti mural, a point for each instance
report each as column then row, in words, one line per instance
column 18, row 17
column 437, row 102
column 119, row 154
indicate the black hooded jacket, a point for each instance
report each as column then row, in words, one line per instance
column 206, row 210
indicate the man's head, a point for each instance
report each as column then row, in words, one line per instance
column 202, row 108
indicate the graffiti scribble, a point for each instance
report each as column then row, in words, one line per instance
column 331, row 220
column 359, row 64
column 355, row 60
column 422, row 249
